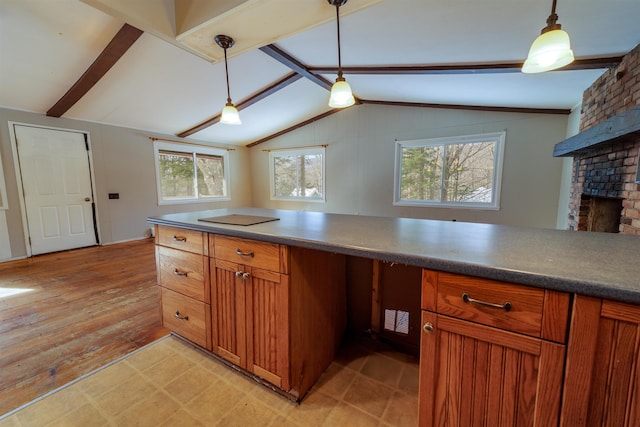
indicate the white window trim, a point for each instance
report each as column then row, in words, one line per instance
column 297, row 151
column 4, row 203
column 499, row 137
column 190, row 149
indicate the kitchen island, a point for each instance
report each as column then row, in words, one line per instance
column 577, row 285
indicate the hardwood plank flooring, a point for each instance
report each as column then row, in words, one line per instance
column 73, row 312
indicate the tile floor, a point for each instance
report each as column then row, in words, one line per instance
column 171, row 383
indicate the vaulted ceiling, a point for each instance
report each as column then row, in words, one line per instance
column 152, row 64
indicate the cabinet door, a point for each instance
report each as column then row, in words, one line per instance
column 268, row 326
column 602, row 380
column 228, row 304
column 475, row 375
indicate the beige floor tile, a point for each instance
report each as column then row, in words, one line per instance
column 368, row 395
column 52, row 407
column 335, row 381
column 181, row 418
column 248, row 412
column 352, row 356
column 190, row 383
column 167, row 370
column 314, row 409
column 273, row 400
column 153, row 354
column 410, row 379
column 214, row 402
column 149, row 412
column 105, row 379
column 281, row 421
column 383, row 369
column 11, row 421
column 347, row 415
column 85, row 416
column 128, row 393
column 402, row 410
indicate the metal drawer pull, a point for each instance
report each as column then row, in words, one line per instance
column 179, row 239
column 181, row 317
column 239, row 252
column 180, row 273
column 428, row 327
column 506, row 306
column 242, row 274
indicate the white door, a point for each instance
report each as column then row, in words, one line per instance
column 56, row 182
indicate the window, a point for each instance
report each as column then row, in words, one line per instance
column 297, row 174
column 460, row 171
column 186, row 174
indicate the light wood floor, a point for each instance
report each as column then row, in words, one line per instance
column 75, row 312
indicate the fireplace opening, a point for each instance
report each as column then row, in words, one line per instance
column 603, row 213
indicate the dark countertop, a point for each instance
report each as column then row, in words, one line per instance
column 595, row 264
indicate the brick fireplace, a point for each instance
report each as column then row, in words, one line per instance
column 605, row 194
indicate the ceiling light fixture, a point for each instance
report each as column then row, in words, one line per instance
column 341, row 95
column 229, row 115
column 551, row 49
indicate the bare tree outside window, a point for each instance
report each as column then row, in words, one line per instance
column 298, row 174
column 449, row 171
column 187, row 174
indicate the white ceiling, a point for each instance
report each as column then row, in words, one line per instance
column 46, row 45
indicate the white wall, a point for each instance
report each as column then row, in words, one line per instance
column 573, row 127
column 360, row 162
column 123, row 163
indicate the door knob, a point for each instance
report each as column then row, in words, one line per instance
column 87, row 199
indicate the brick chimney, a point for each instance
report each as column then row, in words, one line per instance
column 605, row 193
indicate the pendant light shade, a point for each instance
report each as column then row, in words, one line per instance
column 551, row 49
column 341, row 95
column 229, row 115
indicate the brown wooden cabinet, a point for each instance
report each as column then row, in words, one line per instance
column 183, row 275
column 602, row 379
column 492, row 353
column 279, row 312
column 250, row 307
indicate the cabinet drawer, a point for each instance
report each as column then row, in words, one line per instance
column 184, row 272
column 181, row 238
column 187, row 317
column 465, row 297
column 247, row 252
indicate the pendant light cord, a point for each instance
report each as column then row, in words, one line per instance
column 339, row 54
column 226, row 69
column 553, row 18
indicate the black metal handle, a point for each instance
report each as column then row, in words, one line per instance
column 506, row 306
column 181, row 317
column 180, row 273
column 179, row 238
column 249, row 254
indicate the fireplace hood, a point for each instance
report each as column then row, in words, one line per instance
column 617, row 128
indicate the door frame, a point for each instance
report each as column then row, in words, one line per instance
column 16, row 166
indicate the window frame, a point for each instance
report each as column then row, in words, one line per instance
column 297, row 151
column 497, row 137
column 191, row 150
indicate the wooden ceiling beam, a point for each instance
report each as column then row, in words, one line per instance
column 561, row 111
column 284, row 58
column 269, row 90
column 296, row 126
column 121, row 42
column 484, row 68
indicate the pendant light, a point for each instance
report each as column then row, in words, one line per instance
column 551, row 49
column 229, row 115
column 341, row 95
